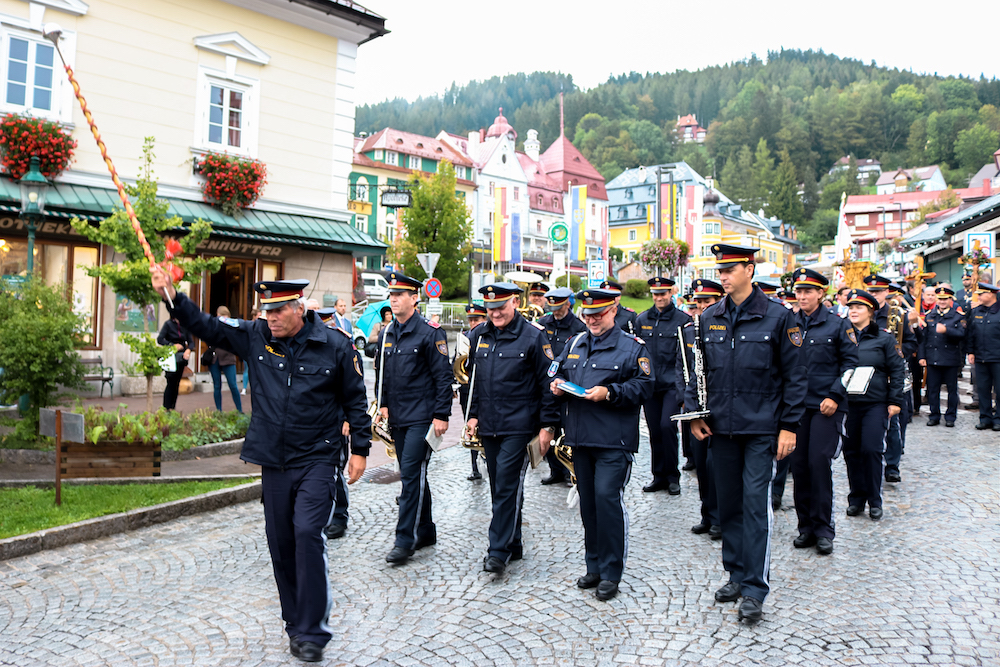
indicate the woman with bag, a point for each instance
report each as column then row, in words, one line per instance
column 221, row 361
column 874, row 394
column 174, row 334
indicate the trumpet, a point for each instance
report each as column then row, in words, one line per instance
column 523, row 279
column 564, row 454
column 380, row 429
column 472, row 441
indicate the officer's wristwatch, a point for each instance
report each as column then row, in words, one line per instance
column 550, row 429
column 611, row 395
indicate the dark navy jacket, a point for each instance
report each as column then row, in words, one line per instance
column 910, row 343
column 756, row 378
column 943, row 349
column 619, row 362
column 984, row 334
column 659, row 331
column 417, row 383
column 559, row 332
column 511, row 394
column 877, row 348
column 625, row 320
column 300, row 401
column 830, row 348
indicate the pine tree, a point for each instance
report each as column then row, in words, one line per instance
column 736, row 180
column 763, row 176
column 784, row 202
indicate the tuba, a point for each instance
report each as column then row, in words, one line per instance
column 896, row 322
column 523, row 279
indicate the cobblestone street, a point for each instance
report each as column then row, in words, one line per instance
column 920, row 587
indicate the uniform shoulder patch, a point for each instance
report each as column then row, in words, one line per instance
column 442, row 347
column 795, row 335
column 689, row 324
column 230, row 321
column 644, row 365
column 434, row 324
column 852, row 336
column 639, row 340
column 547, row 349
column 628, row 309
column 357, row 366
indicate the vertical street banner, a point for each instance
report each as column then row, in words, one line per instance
column 501, row 227
column 605, row 241
column 578, row 225
column 515, row 238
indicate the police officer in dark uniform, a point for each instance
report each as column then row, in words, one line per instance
column 658, row 328
column 983, row 346
column 830, row 347
column 624, row 316
column 415, row 397
column 559, row 324
column 602, row 427
column 306, row 379
column 536, row 295
column 510, row 404
column 895, row 437
column 706, row 292
column 941, row 352
column 475, row 315
column 756, row 387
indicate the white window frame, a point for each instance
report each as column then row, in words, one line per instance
column 414, row 162
column 632, row 235
column 459, row 171
column 361, row 223
column 861, row 220
column 63, row 102
column 361, row 189
column 250, row 122
column 392, row 157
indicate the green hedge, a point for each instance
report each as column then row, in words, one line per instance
column 637, row 289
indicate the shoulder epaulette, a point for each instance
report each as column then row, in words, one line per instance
column 628, row 309
column 433, row 324
column 688, row 324
column 639, row 340
column 537, row 326
column 341, row 331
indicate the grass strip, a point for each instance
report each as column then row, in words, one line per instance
column 29, row 509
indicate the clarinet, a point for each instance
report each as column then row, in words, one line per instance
column 701, row 382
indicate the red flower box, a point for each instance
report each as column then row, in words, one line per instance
column 231, row 182
column 22, row 137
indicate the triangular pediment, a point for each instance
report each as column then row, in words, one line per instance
column 233, row 44
column 75, row 7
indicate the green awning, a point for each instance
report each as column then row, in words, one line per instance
column 65, row 200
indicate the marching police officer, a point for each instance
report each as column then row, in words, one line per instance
column 475, row 315
column 624, row 316
column 536, row 295
column 895, row 437
column 706, row 292
column 510, row 404
column 830, row 347
column 559, row 324
column 658, row 328
column 602, row 427
column 756, row 387
column 940, row 351
column 983, row 346
column 415, row 397
column 306, row 379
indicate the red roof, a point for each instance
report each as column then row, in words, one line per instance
column 685, row 121
column 362, row 160
column 540, row 183
column 413, row 144
column 563, row 161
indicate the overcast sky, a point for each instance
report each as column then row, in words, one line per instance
column 434, row 43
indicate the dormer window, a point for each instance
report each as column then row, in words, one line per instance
column 628, row 193
column 621, row 212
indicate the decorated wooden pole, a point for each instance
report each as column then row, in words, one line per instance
column 52, row 32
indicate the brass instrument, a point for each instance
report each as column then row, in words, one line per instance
column 523, row 279
column 896, row 322
column 919, row 277
column 700, row 410
column 564, row 454
column 460, row 367
column 380, row 429
column 471, row 441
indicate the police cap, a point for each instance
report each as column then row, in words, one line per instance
column 399, row 282
column 944, row 292
column 659, row 284
column 475, row 310
column 727, row 255
column 859, row 296
column 276, row 293
column 538, row 288
column 496, row 294
column 877, row 282
column 809, row 278
column 594, row 301
column 558, row 296
column 326, row 314
column 612, row 285
column 703, row 288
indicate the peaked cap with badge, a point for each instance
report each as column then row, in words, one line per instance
column 703, row 288
column 558, row 296
column 475, row 310
column 538, row 288
column 595, row 301
column 809, row 278
column 877, row 282
column 276, row 293
column 859, row 296
column 659, row 284
column 496, row 295
column 326, row 314
column 612, row 285
column 399, row 282
column 728, row 255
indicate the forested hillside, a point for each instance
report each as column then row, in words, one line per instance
column 774, row 125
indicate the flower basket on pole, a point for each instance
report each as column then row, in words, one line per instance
column 666, row 255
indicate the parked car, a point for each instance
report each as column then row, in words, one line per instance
column 363, row 327
column 376, row 288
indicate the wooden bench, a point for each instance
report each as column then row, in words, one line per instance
column 106, row 376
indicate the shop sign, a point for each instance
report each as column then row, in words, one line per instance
column 9, row 224
column 360, row 207
column 242, row 248
column 397, row 199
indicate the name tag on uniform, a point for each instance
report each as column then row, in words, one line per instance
column 573, row 356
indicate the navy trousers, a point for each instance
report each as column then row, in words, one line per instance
column 781, row 469
column 413, row 453
column 601, row 476
column 701, row 451
column 507, row 462
column 864, row 448
column 817, row 443
column 298, row 503
column 948, row 376
column 744, row 468
column 343, row 499
column 663, row 435
column 988, row 384
column 895, row 436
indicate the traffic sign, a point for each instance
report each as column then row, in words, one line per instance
column 559, row 232
column 433, row 288
column 428, row 261
column 596, row 273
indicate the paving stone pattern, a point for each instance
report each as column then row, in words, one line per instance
column 919, row 587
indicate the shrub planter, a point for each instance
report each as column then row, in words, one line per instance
column 135, row 385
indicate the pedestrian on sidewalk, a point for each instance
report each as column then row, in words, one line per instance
column 173, row 333
column 224, row 363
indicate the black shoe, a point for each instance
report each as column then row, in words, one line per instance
column 606, row 590
column 996, row 427
column 589, row 580
column 949, row 424
column 553, row 479
column 701, row 528
column 751, row 610
column 293, row 646
column 933, row 421
column 804, row 540
column 674, row 489
column 983, row 426
column 516, row 553
column 335, row 531
column 425, row 542
column 688, row 465
column 494, row 564
column 892, row 476
column 474, row 476
column 398, row 555
column 875, row 513
column 715, row 532
column 972, row 406
column 775, row 504
column 824, row 546
column 728, row 593
column 309, row 652
column 855, row 510
column 654, row 486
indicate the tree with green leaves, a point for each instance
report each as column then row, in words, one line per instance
column 763, row 176
column 130, row 276
column 736, row 179
column 784, row 202
column 438, row 221
column 974, row 148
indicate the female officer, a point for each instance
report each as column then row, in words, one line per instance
column 869, row 410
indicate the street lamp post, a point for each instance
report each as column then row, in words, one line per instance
column 34, row 187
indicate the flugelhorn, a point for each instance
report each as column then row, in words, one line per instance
column 523, row 279
column 380, row 429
